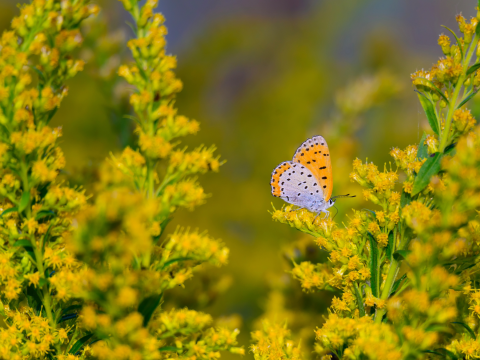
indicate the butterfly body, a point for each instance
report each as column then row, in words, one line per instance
column 306, row 181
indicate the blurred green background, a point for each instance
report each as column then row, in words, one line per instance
column 262, row 76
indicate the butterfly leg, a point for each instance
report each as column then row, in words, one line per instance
column 324, row 217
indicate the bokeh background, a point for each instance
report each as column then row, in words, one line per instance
column 262, row 76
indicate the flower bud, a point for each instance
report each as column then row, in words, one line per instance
column 444, row 42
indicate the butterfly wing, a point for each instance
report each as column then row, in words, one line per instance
column 315, row 156
column 295, row 184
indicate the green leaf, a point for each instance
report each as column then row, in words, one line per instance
column 173, row 261
column 447, row 352
column 163, row 226
column 27, row 245
column 358, row 295
column 12, row 209
column 39, row 72
column 390, row 246
column 371, row 212
column 473, row 68
column 169, row 348
column 23, row 243
column 51, row 114
column 24, row 200
column 43, row 213
column 429, row 168
column 477, row 29
column 133, row 27
column 397, row 283
column 374, row 269
column 401, row 254
column 67, row 317
column 456, row 38
column 461, row 260
column 422, row 148
column 433, row 352
column 405, row 199
column 433, row 87
column 78, row 345
column 42, row 282
column 450, row 150
column 70, row 308
column 429, row 109
column 439, row 328
column 148, row 306
column 463, row 267
column 34, row 300
column 467, row 98
column 468, row 328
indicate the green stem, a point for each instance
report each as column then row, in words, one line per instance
column 387, row 288
column 47, row 300
column 358, row 295
column 26, row 185
column 451, row 110
column 150, row 182
column 453, row 101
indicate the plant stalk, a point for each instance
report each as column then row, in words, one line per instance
column 453, row 100
column 387, row 288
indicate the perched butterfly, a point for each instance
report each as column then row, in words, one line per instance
column 306, row 181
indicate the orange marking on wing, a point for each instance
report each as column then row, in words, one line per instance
column 315, row 156
column 275, row 181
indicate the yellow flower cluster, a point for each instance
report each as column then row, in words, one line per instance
column 127, row 336
column 48, row 31
column 356, row 338
column 194, row 247
column 273, row 342
column 465, row 348
column 187, row 325
column 128, row 262
column 407, row 160
column 36, row 207
column 463, row 121
column 440, row 88
column 429, row 222
column 28, row 336
column 94, row 275
column 407, row 269
column 313, row 276
column 380, row 185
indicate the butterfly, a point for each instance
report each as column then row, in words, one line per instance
column 307, row 181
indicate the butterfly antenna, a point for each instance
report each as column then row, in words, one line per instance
column 335, row 213
column 343, row 196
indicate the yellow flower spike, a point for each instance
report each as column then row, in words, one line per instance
column 373, row 228
column 444, row 42
column 463, row 121
column 33, row 279
column 469, row 31
column 153, row 146
column 30, row 225
column 382, row 240
column 461, row 22
column 432, row 144
column 127, row 297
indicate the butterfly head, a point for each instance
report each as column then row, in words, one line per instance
column 331, row 202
